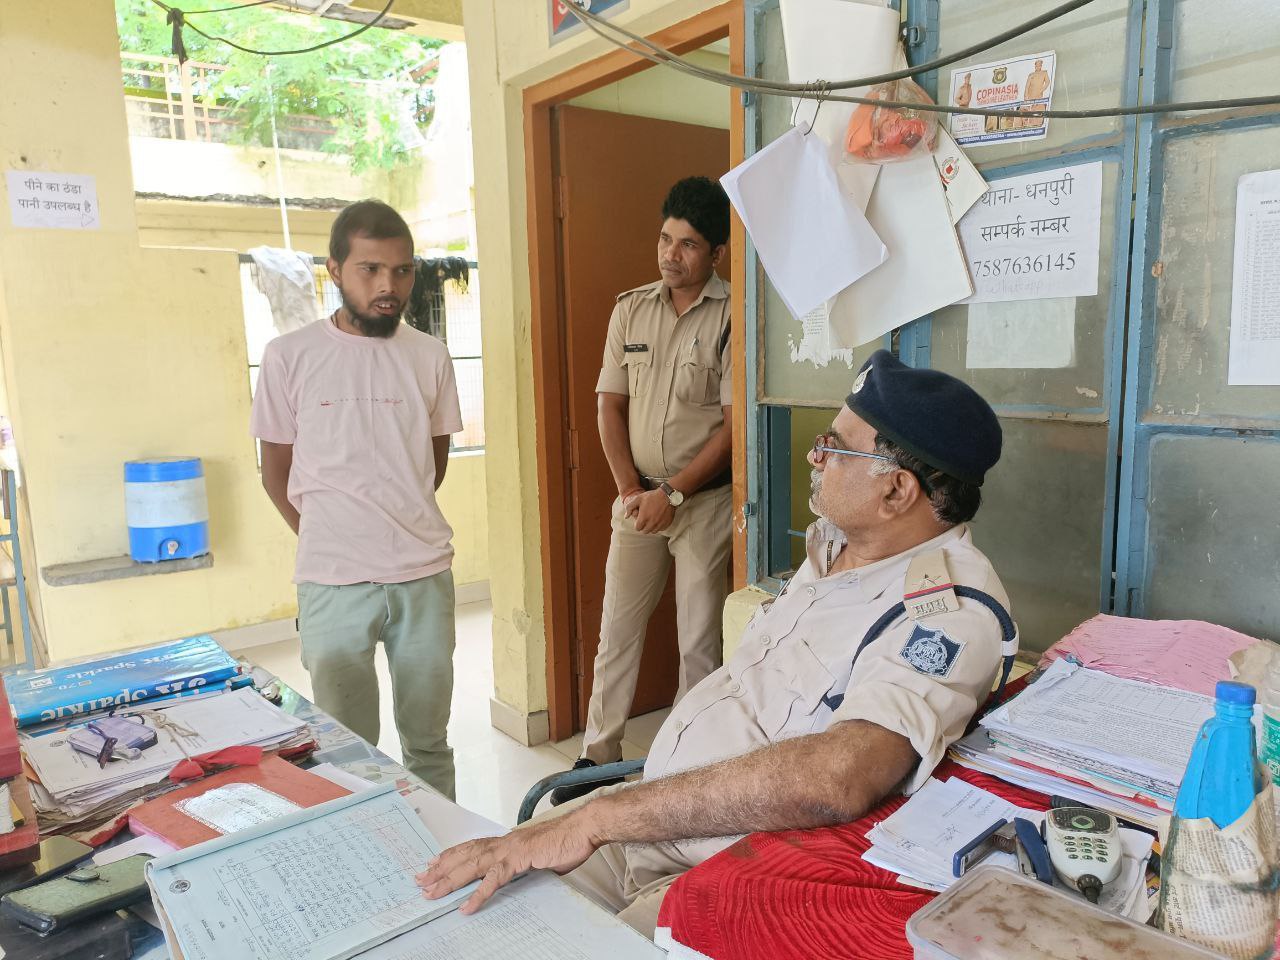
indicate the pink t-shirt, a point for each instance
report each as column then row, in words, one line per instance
column 360, row 413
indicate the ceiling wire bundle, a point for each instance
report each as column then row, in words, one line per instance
column 821, row 90
column 177, row 18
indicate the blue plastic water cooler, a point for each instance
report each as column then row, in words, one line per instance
column 166, row 508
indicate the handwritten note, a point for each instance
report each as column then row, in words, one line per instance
column 67, row 201
column 1036, row 236
column 325, row 883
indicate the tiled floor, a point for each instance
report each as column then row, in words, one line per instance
column 494, row 771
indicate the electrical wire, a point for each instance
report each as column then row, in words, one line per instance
column 820, row 90
column 181, row 21
column 239, row 6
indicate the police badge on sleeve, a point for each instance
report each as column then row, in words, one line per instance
column 931, row 652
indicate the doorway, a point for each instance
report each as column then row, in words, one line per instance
column 596, row 180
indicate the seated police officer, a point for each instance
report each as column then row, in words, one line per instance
column 846, row 688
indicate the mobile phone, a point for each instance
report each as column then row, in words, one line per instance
column 82, row 893
column 58, row 855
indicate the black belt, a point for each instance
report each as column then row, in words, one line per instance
column 722, row 479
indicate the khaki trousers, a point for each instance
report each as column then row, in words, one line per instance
column 340, row 627
column 699, row 541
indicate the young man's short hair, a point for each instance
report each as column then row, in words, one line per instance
column 366, row 218
column 703, row 204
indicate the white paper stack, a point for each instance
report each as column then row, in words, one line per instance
column 920, row 838
column 72, row 789
column 1118, row 744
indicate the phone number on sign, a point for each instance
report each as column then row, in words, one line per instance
column 1016, row 266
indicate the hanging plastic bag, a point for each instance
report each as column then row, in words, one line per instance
column 879, row 134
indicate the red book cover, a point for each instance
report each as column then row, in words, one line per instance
column 10, row 755
column 164, row 817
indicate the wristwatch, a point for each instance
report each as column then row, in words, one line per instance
column 674, row 496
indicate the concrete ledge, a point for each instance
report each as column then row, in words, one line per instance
column 117, row 568
column 526, row 729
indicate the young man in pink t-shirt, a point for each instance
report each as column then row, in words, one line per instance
column 354, row 413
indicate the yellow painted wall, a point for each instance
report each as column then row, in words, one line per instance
column 113, row 351
column 508, row 49
column 462, row 501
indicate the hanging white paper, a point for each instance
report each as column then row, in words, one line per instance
column 1255, row 284
column 1019, row 83
column 1040, row 335
column 812, row 240
column 67, row 201
column 1036, row 236
column 832, row 40
column 925, row 270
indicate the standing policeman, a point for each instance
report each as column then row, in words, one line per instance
column 665, row 423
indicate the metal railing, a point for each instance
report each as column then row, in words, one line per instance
column 172, row 101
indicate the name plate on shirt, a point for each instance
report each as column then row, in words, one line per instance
column 635, row 348
column 929, row 590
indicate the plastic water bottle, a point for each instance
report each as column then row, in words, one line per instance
column 1218, row 873
column 1271, row 722
column 1223, row 775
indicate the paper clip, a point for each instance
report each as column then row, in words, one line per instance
column 819, row 89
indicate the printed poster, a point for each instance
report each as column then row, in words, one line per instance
column 565, row 24
column 1022, row 83
column 1254, row 356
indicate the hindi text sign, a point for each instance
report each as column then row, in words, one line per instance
column 67, row 201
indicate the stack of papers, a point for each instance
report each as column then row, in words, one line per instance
column 72, row 790
column 919, row 839
column 1187, row 654
column 1118, row 744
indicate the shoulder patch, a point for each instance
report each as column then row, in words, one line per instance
column 931, row 652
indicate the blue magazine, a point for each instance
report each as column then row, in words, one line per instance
column 55, row 693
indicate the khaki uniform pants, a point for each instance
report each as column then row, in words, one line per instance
column 628, row 880
column 340, row 627
column 699, row 541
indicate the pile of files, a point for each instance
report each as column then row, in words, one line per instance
column 99, row 734
column 1110, row 742
column 919, row 839
column 75, row 792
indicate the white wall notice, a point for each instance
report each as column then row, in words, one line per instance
column 68, row 201
column 1040, row 335
column 1255, row 284
column 1036, row 236
column 1020, row 83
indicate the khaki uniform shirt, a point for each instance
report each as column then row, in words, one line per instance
column 675, row 370
column 797, row 656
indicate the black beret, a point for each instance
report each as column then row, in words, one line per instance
column 930, row 414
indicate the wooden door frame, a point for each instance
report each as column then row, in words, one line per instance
column 550, row 409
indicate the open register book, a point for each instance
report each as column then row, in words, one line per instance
column 325, row 883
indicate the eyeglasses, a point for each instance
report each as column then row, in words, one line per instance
column 821, row 447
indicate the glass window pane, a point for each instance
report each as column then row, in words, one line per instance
column 1081, row 386
column 1220, row 48
column 1193, row 292
column 1213, row 527
column 1090, row 48
column 1041, row 524
column 787, row 379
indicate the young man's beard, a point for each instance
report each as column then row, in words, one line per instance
column 371, row 324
